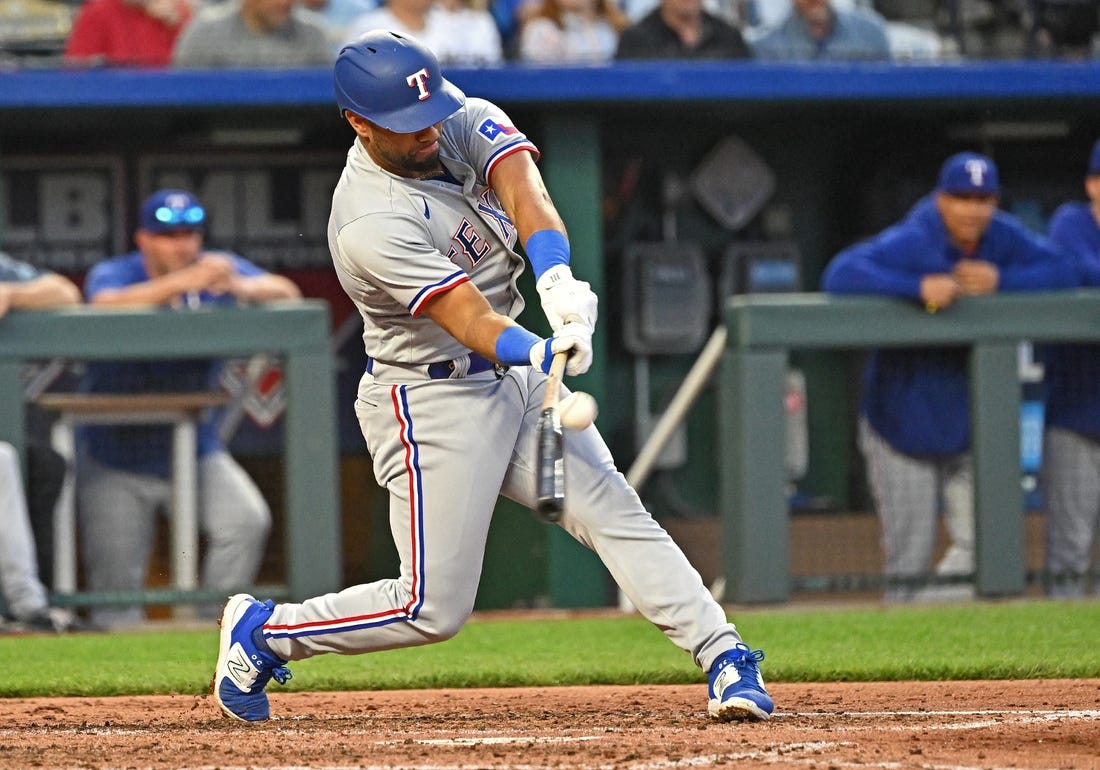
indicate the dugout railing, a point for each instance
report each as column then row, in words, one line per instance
column 762, row 332
column 296, row 331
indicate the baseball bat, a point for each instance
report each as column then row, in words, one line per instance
column 550, row 461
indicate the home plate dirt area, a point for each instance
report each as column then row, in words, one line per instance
column 1048, row 724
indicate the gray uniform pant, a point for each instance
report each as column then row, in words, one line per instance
column 1070, row 477
column 20, row 585
column 446, row 450
column 908, row 494
column 118, row 516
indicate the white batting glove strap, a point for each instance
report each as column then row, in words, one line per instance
column 540, row 357
column 563, row 296
column 574, row 337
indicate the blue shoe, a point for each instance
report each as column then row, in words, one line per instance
column 243, row 669
column 736, row 687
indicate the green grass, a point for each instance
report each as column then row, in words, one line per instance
column 980, row 641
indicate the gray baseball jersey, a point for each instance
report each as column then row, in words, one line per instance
column 397, row 242
column 446, row 441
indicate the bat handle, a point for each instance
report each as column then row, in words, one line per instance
column 557, row 365
column 557, row 368
column 553, row 380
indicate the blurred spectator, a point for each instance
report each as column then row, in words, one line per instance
column 254, row 33
column 572, row 32
column 729, row 11
column 1070, row 471
column 338, row 16
column 473, row 37
column 816, row 29
column 1063, row 28
column 458, row 33
column 138, row 33
column 987, row 29
column 681, row 29
column 405, row 17
column 914, row 427
column 22, row 588
column 33, row 30
column 123, row 478
column 915, row 29
column 509, row 16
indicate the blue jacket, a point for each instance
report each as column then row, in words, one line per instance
column 917, row 398
column 1072, row 377
column 146, row 448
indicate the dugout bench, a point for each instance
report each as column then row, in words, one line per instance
column 298, row 331
column 181, row 412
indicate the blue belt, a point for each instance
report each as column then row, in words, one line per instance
column 442, row 370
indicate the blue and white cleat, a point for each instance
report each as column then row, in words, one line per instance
column 243, row 669
column 736, row 687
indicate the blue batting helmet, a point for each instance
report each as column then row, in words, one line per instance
column 394, row 81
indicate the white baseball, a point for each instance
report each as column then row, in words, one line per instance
column 577, row 411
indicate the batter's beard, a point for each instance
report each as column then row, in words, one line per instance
column 406, row 165
column 428, row 167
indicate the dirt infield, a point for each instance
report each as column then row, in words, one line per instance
column 1032, row 725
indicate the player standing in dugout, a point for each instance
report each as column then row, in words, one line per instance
column 437, row 190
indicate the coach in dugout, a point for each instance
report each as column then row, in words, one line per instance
column 914, row 426
column 1070, row 473
column 124, row 470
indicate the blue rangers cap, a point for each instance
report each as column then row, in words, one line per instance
column 969, row 173
column 169, row 210
column 1094, row 160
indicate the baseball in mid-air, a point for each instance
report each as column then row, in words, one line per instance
column 577, row 411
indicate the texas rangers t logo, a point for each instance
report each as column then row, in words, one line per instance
column 976, row 169
column 418, row 80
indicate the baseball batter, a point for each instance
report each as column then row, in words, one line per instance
column 437, row 191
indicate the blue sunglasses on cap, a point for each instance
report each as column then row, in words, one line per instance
column 190, row 216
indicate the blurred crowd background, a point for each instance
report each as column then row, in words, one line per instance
column 177, row 33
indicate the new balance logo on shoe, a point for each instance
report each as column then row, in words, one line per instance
column 241, row 672
column 727, row 677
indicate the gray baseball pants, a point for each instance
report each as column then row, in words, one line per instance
column 1070, row 479
column 20, row 585
column 445, row 450
column 908, row 494
column 118, row 515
